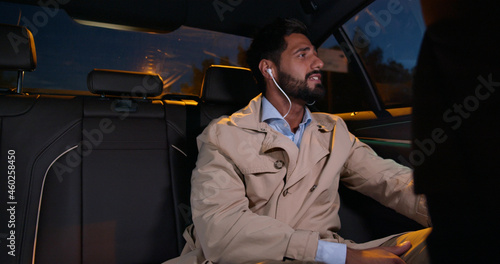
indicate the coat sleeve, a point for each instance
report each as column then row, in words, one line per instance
column 226, row 228
column 384, row 180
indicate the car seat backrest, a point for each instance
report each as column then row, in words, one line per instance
column 225, row 90
column 34, row 135
column 228, row 85
column 128, row 210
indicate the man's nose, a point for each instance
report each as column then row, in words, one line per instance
column 317, row 63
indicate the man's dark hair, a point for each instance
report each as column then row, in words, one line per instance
column 270, row 42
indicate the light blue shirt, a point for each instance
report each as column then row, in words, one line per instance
column 331, row 253
column 274, row 119
column 327, row 252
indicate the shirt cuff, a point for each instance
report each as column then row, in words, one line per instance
column 331, row 253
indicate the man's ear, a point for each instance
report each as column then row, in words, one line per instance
column 264, row 65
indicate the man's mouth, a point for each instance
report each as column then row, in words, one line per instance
column 314, row 76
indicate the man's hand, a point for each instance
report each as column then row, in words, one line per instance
column 378, row 255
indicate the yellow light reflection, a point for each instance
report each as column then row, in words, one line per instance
column 118, row 27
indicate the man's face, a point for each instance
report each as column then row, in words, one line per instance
column 299, row 71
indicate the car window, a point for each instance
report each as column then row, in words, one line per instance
column 345, row 92
column 67, row 51
column 387, row 36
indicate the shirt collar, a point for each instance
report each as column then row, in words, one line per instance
column 269, row 113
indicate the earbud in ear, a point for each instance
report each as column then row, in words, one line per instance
column 270, row 72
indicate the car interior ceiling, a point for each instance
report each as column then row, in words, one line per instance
column 241, row 18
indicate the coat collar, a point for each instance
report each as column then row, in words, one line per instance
column 249, row 118
column 321, row 126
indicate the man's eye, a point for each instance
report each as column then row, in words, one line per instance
column 301, row 55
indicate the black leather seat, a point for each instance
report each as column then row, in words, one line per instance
column 126, row 211
column 224, row 90
column 37, row 131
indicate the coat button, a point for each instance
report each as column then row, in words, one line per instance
column 285, row 192
column 279, row 164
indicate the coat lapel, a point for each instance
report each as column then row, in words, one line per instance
column 316, row 142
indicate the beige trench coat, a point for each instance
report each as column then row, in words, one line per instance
column 255, row 196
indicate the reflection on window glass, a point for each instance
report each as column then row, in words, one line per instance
column 387, row 36
column 68, row 51
column 344, row 91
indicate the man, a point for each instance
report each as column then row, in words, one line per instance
column 265, row 186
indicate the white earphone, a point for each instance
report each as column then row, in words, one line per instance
column 270, row 72
column 277, row 85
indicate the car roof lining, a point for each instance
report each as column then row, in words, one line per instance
column 237, row 17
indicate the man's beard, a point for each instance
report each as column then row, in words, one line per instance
column 299, row 89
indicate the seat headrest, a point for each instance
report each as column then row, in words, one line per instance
column 17, row 48
column 228, row 85
column 135, row 84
